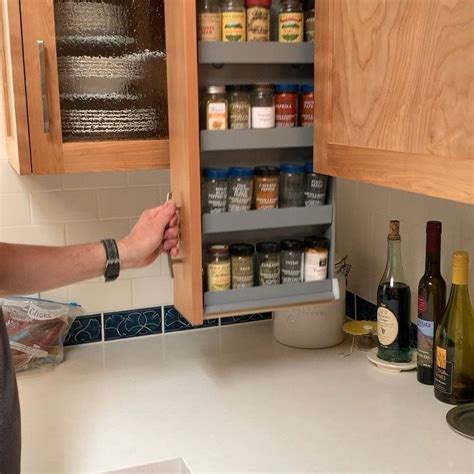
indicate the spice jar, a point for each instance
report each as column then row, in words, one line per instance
column 290, row 22
column 309, row 21
column 258, row 20
column 268, row 263
column 233, row 20
column 316, row 258
column 214, row 192
column 307, row 105
column 241, row 256
column 315, row 187
column 286, row 105
column 240, row 189
column 239, row 107
column 266, row 187
column 292, row 261
column 263, row 106
column 209, row 21
column 218, row 268
column 291, row 185
column 216, row 108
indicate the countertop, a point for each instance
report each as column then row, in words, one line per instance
column 232, row 399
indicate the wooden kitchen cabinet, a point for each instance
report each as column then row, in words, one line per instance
column 395, row 85
column 84, row 85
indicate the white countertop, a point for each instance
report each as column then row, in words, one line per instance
column 232, row 399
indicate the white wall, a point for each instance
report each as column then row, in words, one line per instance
column 363, row 212
column 59, row 210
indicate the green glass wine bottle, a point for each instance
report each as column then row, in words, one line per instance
column 454, row 361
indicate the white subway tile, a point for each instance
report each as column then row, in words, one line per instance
column 101, row 297
column 83, row 232
column 59, row 294
column 47, row 234
column 152, row 291
column 11, row 182
column 63, row 206
column 127, row 202
column 149, row 178
column 94, row 180
column 14, row 209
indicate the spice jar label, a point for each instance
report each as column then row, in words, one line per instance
column 266, row 194
column 286, row 112
column 233, row 26
column 216, row 116
column 239, row 115
column 263, row 117
column 309, row 26
column 240, row 197
column 316, row 265
column 291, row 27
column 219, row 276
column 258, row 24
column 269, row 273
column 307, row 112
column 210, row 27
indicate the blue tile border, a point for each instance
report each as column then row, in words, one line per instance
column 84, row 330
column 245, row 319
column 174, row 321
column 365, row 309
column 134, row 323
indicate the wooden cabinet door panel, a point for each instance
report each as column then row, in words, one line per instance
column 183, row 122
column 396, row 82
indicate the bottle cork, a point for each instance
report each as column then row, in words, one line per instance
column 394, row 230
column 460, row 267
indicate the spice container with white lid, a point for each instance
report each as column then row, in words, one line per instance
column 263, row 106
column 316, row 258
column 268, row 263
column 242, row 256
column 214, row 190
column 218, row 268
column 292, row 261
column 291, row 185
column 216, row 108
column 240, row 189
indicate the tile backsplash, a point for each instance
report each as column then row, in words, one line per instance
column 363, row 212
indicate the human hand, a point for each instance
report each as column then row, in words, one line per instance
column 156, row 231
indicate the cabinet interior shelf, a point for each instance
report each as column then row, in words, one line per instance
column 270, row 52
column 258, row 297
column 227, row 222
column 256, row 139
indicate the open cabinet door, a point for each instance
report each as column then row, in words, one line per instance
column 14, row 142
column 181, row 45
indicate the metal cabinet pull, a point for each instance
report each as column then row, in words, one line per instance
column 43, row 85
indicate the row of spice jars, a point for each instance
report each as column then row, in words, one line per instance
column 250, row 20
column 264, row 187
column 290, row 261
column 262, row 106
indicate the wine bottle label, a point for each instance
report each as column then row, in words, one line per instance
column 387, row 326
column 443, row 374
column 425, row 342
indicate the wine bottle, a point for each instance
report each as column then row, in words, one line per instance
column 454, row 361
column 431, row 303
column 393, row 304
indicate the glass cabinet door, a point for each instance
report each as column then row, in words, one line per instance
column 111, row 69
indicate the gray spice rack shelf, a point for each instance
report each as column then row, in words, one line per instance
column 259, row 297
column 270, row 52
column 256, row 139
column 268, row 219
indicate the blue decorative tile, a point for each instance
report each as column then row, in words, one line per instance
column 84, row 329
column 175, row 321
column 365, row 309
column 350, row 305
column 245, row 319
column 139, row 322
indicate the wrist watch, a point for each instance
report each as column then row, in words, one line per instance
column 112, row 267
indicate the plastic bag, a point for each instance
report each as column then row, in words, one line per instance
column 37, row 329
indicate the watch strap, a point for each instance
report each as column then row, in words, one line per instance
column 112, row 267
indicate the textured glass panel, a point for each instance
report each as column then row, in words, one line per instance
column 112, row 70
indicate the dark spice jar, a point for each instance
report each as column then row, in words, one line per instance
column 286, row 105
column 241, row 256
column 315, row 187
column 268, row 263
column 307, row 105
column 292, row 261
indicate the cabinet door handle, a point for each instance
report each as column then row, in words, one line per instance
column 172, row 260
column 3, row 58
column 43, row 85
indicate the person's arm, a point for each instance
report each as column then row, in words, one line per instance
column 28, row 269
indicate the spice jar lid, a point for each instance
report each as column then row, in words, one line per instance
column 292, row 88
column 268, row 247
column 307, row 88
column 294, row 245
column 309, row 167
column 240, row 172
column 267, row 171
column 263, row 86
column 242, row 250
column 218, row 249
column 216, row 89
column 258, row 3
column 291, row 168
column 216, row 173
column 316, row 242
